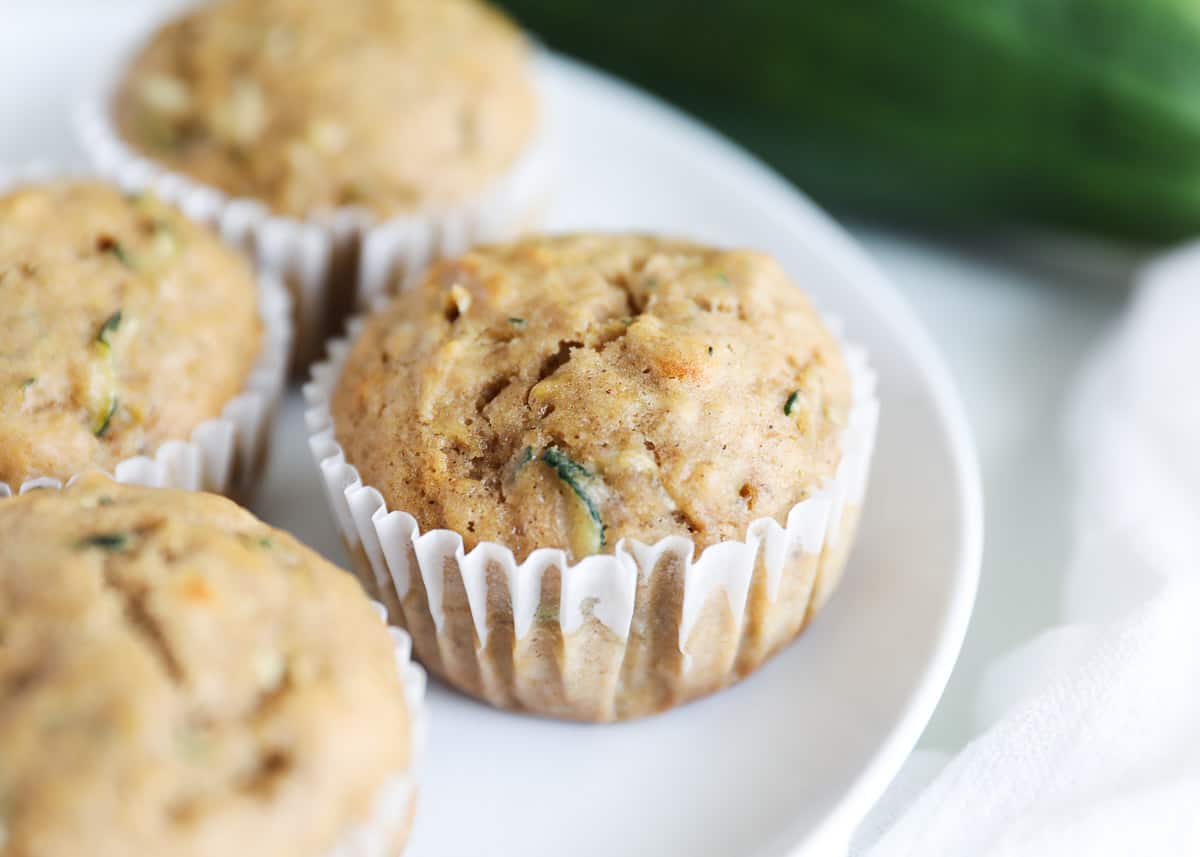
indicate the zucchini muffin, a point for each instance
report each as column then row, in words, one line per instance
column 340, row 142
column 307, row 106
column 576, row 391
column 125, row 326
column 177, row 678
column 673, row 420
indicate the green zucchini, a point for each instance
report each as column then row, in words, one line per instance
column 104, row 397
column 1078, row 113
column 105, row 541
column 586, row 528
column 110, row 326
column 103, row 417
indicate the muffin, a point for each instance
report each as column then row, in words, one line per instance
column 637, row 462
column 129, row 332
column 177, row 678
column 347, row 114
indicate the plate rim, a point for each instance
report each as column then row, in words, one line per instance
column 790, row 207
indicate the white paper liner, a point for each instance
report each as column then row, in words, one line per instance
column 223, row 454
column 393, row 808
column 602, row 587
column 308, row 253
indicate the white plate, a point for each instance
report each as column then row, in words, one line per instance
column 786, row 762
column 791, row 759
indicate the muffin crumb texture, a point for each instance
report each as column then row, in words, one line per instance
column 307, row 106
column 573, row 391
column 125, row 325
column 177, row 678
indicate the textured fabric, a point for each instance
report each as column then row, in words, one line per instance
column 1088, row 737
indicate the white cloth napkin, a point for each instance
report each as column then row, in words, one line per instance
column 1088, row 737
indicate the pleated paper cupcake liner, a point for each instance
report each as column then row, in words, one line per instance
column 225, row 454
column 384, row 833
column 613, row 636
column 333, row 262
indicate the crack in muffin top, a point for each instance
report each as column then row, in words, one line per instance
column 307, row 106
column 573, row 391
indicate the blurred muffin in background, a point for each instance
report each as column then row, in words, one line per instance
column 310, row 129
column 126, row 326
column 392, row 105
column 177, row 678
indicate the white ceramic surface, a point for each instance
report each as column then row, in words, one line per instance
column 788, row 761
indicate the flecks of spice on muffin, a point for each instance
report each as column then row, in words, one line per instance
column 125, row 326
column 573, row 391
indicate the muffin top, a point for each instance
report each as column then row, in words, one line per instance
column 392, row 105
column 124, row 324
column 573, row 391
column 177, row 678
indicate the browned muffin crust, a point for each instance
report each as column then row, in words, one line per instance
column 177, row 678
column 573, row 391
column 124, row 325
column 393, row 105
